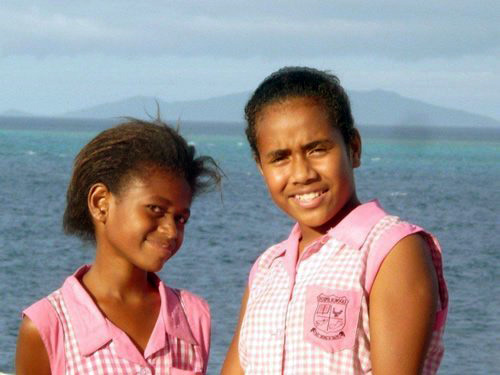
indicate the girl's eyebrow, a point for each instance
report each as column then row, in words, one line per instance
column 159, row 198
column 320, row 142
column 277, row 154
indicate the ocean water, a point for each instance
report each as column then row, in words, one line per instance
column 446, row 180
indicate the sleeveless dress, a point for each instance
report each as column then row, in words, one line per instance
column 310, row 317
column 80, row 340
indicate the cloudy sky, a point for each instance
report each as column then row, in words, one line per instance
column 59, row 55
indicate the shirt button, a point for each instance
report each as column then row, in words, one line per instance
column 144, row 371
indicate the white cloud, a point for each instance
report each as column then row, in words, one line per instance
column 61, row 55
column 289, row 29
column 31, row 32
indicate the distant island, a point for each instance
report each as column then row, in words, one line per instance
column 15, row 113
column 377, row 107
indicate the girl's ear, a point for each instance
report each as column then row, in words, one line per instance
column 98, row 202
column 355, row 149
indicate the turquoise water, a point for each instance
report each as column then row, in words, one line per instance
column 445, row 180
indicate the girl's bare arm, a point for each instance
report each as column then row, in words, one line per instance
column 402, row 308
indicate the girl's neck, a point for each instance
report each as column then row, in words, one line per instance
column 120, row 282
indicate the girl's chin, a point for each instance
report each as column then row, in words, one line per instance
column 155, row 267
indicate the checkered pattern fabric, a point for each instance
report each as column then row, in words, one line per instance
column 79, row 339
column 273, row 339
column 183, row 356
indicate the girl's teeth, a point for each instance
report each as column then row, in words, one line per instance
column 307, row 197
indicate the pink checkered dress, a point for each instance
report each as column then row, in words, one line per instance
column 80, row 340
column 311, row 318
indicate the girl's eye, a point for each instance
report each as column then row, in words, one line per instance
column 318, row 150
column 278, row 156
column 278, row 159
column 182, row 219
column 156, row 209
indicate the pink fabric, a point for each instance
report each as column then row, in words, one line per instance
column 351, row 230
column 80, row 340
column 51, row 331
column 253, row 272
column 284, row 311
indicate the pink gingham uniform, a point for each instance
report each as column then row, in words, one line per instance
column 310, row 317
column 80, row 340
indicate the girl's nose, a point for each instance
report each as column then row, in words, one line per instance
column 302, row 171
column 168, row 227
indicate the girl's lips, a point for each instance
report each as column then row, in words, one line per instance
column 309, row 200
column 166, row 249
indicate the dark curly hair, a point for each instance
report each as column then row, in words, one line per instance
column 296, row 82
column 130, row 149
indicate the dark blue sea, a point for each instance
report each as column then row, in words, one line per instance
column 446, row 180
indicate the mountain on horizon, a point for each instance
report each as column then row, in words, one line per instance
column 16, row 113
column 227, row 108
column 381, row 107
column 376, row 107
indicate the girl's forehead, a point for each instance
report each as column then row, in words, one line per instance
column 149, row 175
column 301, row 113
column 287, row 104
column 159, row 184
column 293, row 110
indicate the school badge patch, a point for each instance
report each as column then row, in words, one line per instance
column 331, row 317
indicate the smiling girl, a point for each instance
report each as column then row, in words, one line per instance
column 353, row 290
column 130, row 193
